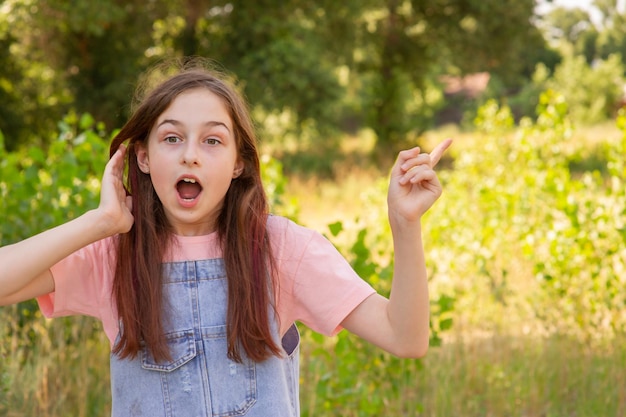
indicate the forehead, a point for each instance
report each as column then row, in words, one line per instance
column 197, row 105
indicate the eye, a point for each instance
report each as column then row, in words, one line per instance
column 212, row 141
column 171, row 139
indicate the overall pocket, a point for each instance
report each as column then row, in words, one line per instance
column 232, row 385
column 182, row 346
column 145, row 387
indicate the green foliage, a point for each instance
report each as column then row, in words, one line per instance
column 574, row 32
column 334, row 368
column 315, row 61
column 572, row 28
column 79, row 55
column 274, row 182
column 11, row 119
column 5, row 378
column 611, row 40
column 355, row 64
column 398, row 110
column 524, row 223
column 345, row 375
column 464, row 35
column 516, row 243
column 409, row 44
column 43, row 187
column 579, row 257
column 593, row 92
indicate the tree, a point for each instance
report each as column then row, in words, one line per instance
column 612, row 37
column 411, row 42
column 572, row 28
column 99, row 48
column 82, row 54
column 376, row 61
column 11, row 119
column 28, row 86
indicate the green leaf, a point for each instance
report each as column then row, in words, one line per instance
column 86, row 121
column 335, row 228
column 37, row 155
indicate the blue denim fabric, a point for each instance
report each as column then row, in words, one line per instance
column 201, row 380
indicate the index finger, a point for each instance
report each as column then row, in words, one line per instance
column 437, row 153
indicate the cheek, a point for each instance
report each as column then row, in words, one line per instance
column 159, row 183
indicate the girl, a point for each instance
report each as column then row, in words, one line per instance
column 197, row 286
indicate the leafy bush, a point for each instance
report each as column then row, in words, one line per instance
column 537, row 248
column 41, row 188
column 580, row 254
column 593, row 92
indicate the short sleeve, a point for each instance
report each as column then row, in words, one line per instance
column 317, row 284
column 83, row 283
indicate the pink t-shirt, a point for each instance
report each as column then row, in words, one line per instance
column 317, row 285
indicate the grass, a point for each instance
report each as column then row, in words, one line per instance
column 59, row 368
column 523, row 377
column 497, row 366
column 471, row 377
column 53, row 367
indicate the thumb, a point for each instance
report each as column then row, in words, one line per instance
column 129, row 203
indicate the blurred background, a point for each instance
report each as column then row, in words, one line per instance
column 526, row 248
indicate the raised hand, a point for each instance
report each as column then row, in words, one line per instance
column 414, row 185
column 115, row 206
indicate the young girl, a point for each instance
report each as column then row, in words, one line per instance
column 197, row 286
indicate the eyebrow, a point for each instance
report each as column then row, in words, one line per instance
column 179, row 123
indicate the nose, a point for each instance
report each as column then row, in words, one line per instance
column 190, row 153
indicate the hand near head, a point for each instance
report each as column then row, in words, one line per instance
column 115, row 206
column 414, row 185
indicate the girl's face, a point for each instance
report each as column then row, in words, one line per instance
column 191, row 157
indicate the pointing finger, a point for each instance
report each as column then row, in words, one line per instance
column 437, row 153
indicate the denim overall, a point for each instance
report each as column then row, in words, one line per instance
column 201, row 380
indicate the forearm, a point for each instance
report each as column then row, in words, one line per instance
column 25, row 261
column 408, row 309
column 401, row 323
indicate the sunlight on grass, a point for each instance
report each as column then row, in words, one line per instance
column 513, row 376
column 508, row 352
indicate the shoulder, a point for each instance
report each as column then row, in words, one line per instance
column 287, row 236
column 293, row 242
column 280, row 227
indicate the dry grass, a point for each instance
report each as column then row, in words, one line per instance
column 525, row 377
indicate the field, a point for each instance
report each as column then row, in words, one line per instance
column 527, row 259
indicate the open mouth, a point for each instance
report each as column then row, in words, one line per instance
column 188, row 189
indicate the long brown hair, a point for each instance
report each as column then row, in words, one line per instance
column 241, row 227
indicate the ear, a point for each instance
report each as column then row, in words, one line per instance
column 142, row 159
column 239, row 166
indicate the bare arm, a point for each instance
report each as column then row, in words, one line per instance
column 400, row 324
column 25, row 266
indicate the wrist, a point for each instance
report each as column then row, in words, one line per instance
column 100, row 224
column 399, row 224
